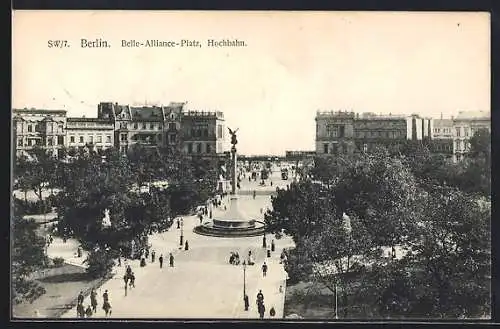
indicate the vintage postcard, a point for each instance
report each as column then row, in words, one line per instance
column 251, row 165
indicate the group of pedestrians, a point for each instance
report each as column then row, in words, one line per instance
column 91, row 309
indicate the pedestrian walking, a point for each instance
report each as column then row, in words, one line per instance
column 132, row 280
column 201, row 218
column 210, row 213
column 271, row 183
column 153, row 256
column 93, row 300
column 161, row 261
column 146, row 255
column 261, row 210
column 262, row 310
column 171, row 260
column 119, row 261
column 186, row 246
column 260, row 297
column 264, row 243
column 178, row 223
column 254, row 193
column 106, row 306
column 80, row 311
column 264, row 269
column 273, row 247
column 80, row 298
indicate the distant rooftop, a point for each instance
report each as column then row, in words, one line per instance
column 438, row 123
column 39, row 111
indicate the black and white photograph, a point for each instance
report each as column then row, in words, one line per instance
column 250, row 165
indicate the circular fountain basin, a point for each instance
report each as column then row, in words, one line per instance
column 235, row 229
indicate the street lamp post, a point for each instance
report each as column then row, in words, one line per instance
column 244, row 279
column 336, row 309
column 182, row 233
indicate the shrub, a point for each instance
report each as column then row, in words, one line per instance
column 26, row 290
column 58, row 261
column 33, row 208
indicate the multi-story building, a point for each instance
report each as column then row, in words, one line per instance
column 197, row 133
column 36, row 127
column 203, row 133
column 465, row 125
column 344, row 132
column 94, row 133
column 442, row 137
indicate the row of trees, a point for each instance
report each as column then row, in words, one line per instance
column 356, row 208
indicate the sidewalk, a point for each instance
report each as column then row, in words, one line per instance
column 163, row 243
column 269, row 285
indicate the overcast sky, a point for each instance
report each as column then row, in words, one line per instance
column 294, row 64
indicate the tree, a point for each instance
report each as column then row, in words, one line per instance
column 480, row 144
column 380, row 191
column 299, row 210
column 28, row 255
column 454, row 252
column 95, row 186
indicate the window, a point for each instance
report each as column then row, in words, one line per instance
column 219, row 131
column 458, row 131
column 99, row 139
column 341, row 131
column 91, row 139
column 108, row 139
column 123, row 137
column 151, row 126
column 172, row 138
column 334, row 148
column 205, row 132
column 61, row 128
column 81, row 139
column 135, row 125
column 198, row 148
column 30, row 128
column 325, row 148
column 71, row 139
column 193, row 132
column 144, row 126
column 20, row 142
column 171, row 126
column 49, row 141
column 60, row 140
column 365, row 147
column 190, row 148
column 332, row 131
column 466, row 130
column 209, row 148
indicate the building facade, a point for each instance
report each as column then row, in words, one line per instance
column 465, row 125
column 345, row 132
column 197, row 133
column 37, row 127
column 442, row 137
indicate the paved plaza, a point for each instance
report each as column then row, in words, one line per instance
column 202, row 284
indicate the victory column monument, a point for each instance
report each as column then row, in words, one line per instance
column 233, row 223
